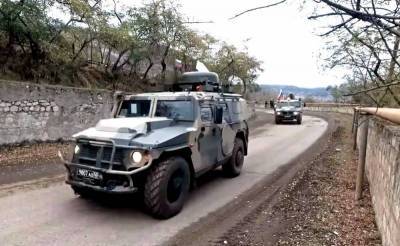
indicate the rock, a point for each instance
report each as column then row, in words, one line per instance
column 14, row 108
column 55, row 108
column 48, row 108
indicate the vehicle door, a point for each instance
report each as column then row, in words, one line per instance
column 209, row 139
column 227, row 128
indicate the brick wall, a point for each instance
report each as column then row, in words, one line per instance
column 32, row 112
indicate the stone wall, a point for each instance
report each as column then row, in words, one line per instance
column 32, row 112
column 383, row 174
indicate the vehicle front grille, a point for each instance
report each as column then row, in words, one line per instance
column 92, row 154
column 287, row 113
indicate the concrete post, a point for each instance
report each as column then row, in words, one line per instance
column 354, row 120
column 355, row 135
column 362, row 155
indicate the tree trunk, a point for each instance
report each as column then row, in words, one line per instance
column 115, row 66
column 148, row 69
column 163, row 63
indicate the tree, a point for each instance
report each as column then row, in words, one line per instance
column 236, row 67
column 110, row 48
column 367, row 36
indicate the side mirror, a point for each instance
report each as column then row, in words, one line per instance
column 219, row 111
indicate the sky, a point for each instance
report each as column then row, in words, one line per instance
column 281, row 37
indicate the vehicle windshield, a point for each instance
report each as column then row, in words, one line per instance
column 296, row 104
column 135, row 108
column 177, row 110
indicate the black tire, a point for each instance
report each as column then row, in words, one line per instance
column 234, row 166
column 299, row 119
column 167, row 186
column 277, row 121
column 82, row 192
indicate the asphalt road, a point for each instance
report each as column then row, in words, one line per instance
column 54, row 216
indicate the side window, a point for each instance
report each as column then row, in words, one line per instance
column 206, row 114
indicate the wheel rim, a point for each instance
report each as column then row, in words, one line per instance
column 175, row 186
column 239, row 159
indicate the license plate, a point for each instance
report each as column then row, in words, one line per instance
column 84, row 173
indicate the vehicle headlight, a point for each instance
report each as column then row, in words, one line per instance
column 77, row 149
column 295, row 113
column 136, row 157
column 278, row 112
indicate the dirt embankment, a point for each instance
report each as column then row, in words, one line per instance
column 307, row 202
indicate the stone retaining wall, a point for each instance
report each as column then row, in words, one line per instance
column 383, row 174
column 32, row 112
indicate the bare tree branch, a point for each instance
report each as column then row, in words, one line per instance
column 257, row 8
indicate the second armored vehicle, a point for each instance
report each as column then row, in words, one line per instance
column 289, row 110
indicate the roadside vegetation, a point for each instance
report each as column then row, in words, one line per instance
column 364, row 39
column 102, row 44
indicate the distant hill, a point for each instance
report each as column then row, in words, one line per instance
column 318, row 93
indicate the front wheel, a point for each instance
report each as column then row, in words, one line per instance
column 299, row 119
column 82, row 192
column 166, row 187
column 234, row 166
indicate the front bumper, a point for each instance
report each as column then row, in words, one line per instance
column 287, row 117
column 105, row 189
column 113, row 181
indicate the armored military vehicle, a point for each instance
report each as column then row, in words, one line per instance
column 288, row 110
column 158, row 144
